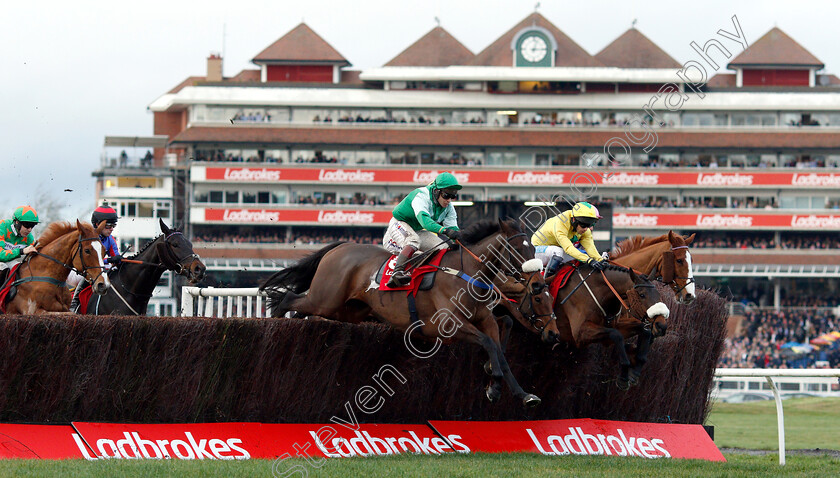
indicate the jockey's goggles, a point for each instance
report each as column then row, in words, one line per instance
column 446, row 195
column 28, row 225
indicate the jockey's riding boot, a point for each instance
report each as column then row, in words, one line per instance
column 553, row 265
column 400, row 277
column 74, row 304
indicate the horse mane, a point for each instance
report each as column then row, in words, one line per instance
column 633, row 244
column 149, row 243
column 484, row 228
column 54, row 231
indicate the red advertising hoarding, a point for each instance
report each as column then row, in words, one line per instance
column 51, row 442
column 479, row 177
column 737, row 221
column 327, row 217
column 585, row 437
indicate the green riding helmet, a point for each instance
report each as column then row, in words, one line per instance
column 446, row 181
column 26, row 214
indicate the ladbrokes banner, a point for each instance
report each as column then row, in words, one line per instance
column 314, row 442
column 621, row 220
column 479, row 177
column 585, row 437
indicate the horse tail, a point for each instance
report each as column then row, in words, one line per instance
column 297, row 278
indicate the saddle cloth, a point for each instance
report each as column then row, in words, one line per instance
column 4, row 292
column 417, row 273
column 84, row 298
column 561, row 278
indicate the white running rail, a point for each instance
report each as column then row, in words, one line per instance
column 222, row 302
column 769, row 374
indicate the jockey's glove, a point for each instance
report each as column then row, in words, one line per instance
column 596, row 264
column 451, row 234
column 115, row 260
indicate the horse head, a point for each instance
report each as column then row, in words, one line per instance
column 177, row 255
column 676, row 268
column 88, row 258
column 645, row 304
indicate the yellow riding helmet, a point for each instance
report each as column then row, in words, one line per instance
column 585, row 213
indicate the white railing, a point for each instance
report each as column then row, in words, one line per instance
column 222, row 302
column 769, row 374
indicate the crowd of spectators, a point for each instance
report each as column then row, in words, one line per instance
column 251, row 117
column 358, row 199
column 300, row 238
column 761, row 337
column 813, row 241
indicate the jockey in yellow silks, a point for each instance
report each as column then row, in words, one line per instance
column 568, row 236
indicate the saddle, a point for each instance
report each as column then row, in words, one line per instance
column 422, row 275
column 561, row 278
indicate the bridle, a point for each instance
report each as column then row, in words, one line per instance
column 168, row 261
column 642, row 317
column 533, row 318
column 536, row 320
column 673, row 283
column 77, row 252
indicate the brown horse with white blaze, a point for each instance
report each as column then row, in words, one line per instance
column 666, row 257
column 40, row 279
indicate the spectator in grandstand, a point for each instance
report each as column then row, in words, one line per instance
column 568, row 236
column 417, row 219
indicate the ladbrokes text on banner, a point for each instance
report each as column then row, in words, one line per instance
column 585, row 437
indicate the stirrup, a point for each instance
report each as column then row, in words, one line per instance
column 403, row 280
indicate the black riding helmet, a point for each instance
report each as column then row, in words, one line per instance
column 104, row 213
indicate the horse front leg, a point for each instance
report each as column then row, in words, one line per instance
column 505, row 324
column 487, row 335
column 640, row 355
column 592, row 333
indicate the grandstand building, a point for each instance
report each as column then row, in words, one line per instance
column 739, row 145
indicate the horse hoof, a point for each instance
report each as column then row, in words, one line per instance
column 531, row 400
column 493, row 394
column 623, row 384
column 488, row 368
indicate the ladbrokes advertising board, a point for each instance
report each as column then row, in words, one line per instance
column 483, row 177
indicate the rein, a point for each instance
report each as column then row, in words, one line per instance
column 70, row 267
column 481, row 261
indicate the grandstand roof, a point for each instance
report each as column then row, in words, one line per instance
column 634, row 50
column 775, row 48
column 568, row 53
column 300, row 45
column 436, row 48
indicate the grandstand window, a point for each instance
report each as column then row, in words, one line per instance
column 232, row 197
column 705, row 119
column 249, row 197
column 216, row 196
column 263, row 197
column 279, row 197
column 163, row 209
column 795, row 202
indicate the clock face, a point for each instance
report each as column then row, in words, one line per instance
column 533, row 49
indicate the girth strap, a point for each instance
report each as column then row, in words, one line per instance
column 49, row 280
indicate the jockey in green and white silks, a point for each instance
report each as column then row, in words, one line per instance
column 418, row 219
column 16, row 239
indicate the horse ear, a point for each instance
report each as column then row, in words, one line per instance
column 634, row 276
column 690, row 239
column 668, row 267
column 78, row 225
column 503, row 226
column 672, row 238
column 100, row 227
column 163, row 228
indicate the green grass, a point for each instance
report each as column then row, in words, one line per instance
column 514, row 465
column 809, row 423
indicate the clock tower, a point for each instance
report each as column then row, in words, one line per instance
column 534, row 46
